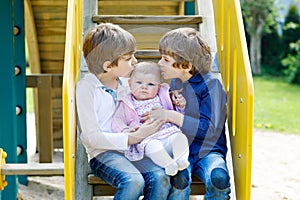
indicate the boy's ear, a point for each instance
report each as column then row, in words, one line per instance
column 107, row 66
column 190, row 65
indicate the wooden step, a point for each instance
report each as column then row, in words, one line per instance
column 149, row 29
column 101, row 188
column 148, row 19
column 148, row 0
column 144, row 7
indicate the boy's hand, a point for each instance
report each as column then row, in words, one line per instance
column 177, row 98
column 156, row 114
column 145, row 130
column 133, row 129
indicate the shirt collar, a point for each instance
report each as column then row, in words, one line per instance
column 197, row 78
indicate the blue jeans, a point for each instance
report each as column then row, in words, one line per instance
column 212, row 170
column 132, row 179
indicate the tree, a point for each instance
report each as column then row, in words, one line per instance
column 259, row 15
column 291, row 30
column 271, row 53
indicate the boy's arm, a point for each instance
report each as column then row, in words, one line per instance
column 160, row 114
column 210, row 120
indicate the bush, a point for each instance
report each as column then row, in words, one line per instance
column 292, row 62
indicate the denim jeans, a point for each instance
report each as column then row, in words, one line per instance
column 212, row 170
column 132, row 179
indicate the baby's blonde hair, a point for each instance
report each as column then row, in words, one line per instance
column 106, row 42
column 147, row 68
column 186, row 45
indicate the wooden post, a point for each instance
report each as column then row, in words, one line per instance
column 45, row 119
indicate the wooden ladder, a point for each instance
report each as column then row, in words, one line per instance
column 148, row 21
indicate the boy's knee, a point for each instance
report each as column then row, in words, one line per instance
column 136, row 181
column 220, row 178
column 161, row 178
column 181, row 180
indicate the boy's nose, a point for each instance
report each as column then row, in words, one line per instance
column 159, row 62
column 134, row 60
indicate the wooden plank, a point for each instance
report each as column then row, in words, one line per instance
column 52, row 66
column 50, row 9
column 52, row 47
column 45, row 120
column 33, row 169
column 148, row 19
column 31, row 38
column 50, row 15
column 197, row 188
column 147, row 54
column 181, row 8
column 103, row 189
column 49, row 39
column 138, row 7
column 49, row 3
column 52, row 55
column 50, row 23
column 147, row 1
column 148, row 35
column 137, row 3
column 34, row 80
column 159, row 10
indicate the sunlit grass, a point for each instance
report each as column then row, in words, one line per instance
column 276, row 105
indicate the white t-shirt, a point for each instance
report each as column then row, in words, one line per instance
column 95, row 108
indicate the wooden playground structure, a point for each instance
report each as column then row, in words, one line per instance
column 54, row 32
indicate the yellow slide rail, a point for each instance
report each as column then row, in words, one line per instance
column 72, row 62
column 237, row 78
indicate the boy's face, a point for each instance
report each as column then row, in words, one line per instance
column 167, row 70
column 125, row 65
column 144, row 86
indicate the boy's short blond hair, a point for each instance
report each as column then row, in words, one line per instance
column 106, row 42
column 187, row 45
column 147, row 68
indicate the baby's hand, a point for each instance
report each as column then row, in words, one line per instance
column 177, row 98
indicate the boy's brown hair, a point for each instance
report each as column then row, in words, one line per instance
column 106, row 42
column 186, row 45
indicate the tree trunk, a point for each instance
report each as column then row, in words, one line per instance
column 255, row 50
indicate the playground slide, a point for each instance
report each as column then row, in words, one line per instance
column 236, row 74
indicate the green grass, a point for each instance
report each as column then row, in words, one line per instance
column 276, row 103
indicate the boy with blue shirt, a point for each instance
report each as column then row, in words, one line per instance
column 186, row 60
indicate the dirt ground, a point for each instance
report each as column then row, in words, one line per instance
column 275, row 171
